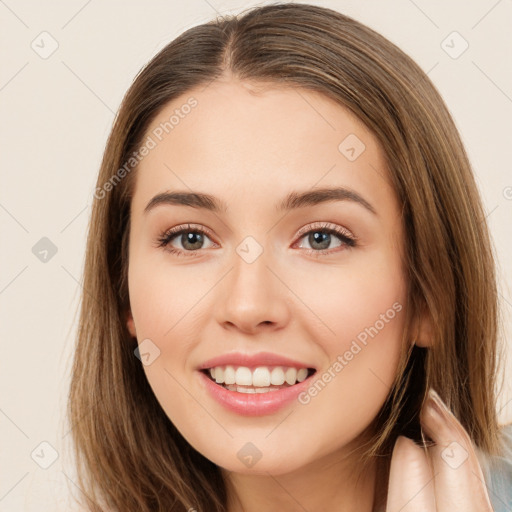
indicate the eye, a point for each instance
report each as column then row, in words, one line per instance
column 190, row 238
column 321, row 236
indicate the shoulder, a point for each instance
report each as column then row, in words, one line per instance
column 498, row 473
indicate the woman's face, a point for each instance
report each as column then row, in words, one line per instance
column 275, row 276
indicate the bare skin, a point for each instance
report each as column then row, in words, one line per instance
column 250, row 147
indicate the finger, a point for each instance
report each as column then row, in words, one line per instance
column 459, row 482
column 411, row 486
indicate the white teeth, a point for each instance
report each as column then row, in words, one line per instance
column 243, row 376
column 290, row 376
column 229, row 375
column 302, row 374
column 240, row 389
column 243, row 389
column 277, row 376
column 219, row 375
column 262, row 377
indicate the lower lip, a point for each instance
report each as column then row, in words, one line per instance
column 254, row 404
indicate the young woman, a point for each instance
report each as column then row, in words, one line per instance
column 289, row 291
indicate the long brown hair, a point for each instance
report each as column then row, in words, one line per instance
column 129, row 455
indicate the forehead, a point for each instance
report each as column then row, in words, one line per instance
column 258, row 140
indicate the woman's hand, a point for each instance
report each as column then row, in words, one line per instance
column 445, row 477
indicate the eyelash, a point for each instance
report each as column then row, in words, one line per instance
column 347, row 240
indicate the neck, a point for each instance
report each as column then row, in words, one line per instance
column 324, row 485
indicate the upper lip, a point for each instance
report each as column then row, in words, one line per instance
column 252, row 360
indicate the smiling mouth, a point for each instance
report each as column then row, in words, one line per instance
column 262, row 379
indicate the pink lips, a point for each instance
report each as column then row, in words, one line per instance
column 254, row 404
column 252, row 360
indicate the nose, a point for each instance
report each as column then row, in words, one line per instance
column 253, row 298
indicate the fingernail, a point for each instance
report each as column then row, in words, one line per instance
column 438, row 403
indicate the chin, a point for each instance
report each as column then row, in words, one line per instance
column 248, row 460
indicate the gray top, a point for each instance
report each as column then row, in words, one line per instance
column 498, row 473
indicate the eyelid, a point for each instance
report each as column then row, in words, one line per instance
column 189, row 227
column 323, row 225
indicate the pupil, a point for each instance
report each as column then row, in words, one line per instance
column 321, row 238
column 193, row 240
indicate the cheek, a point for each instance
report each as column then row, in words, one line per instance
column 165, row 299
column 362, row 300
column 166, row 306
column 362, row 314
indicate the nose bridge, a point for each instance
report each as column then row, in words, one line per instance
column 253, row 295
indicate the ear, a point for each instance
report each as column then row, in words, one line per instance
column 130, row 324
column 423, row 332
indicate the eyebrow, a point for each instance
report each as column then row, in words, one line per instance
column 292, row 201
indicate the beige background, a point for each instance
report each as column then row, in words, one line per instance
column 56, row 114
